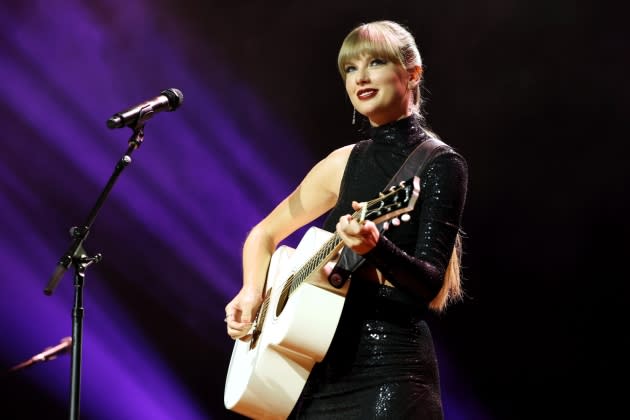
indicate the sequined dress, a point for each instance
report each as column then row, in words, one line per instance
column 381, row 363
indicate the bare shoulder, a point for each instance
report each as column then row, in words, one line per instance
column 338, row 158
column 324, row 179
column 315, row 194
column 330, row 169
column 342, row 152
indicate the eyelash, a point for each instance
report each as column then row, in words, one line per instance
column 374, row 61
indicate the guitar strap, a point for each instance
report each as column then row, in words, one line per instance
column 413, row 166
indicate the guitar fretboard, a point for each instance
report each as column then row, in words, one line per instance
column 317, row 261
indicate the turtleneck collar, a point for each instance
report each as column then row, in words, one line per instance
column 404, row 133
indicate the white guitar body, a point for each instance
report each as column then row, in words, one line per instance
column 299, row 315
column 265, row 381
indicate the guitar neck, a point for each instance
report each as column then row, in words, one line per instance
column 325, row 253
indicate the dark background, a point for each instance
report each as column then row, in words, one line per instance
column 533, row 93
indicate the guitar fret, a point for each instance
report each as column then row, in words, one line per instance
column 314, row 263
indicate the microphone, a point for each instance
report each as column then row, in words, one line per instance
column 49, row 353
column 168, row 100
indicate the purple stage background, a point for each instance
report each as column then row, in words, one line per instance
column 532, row 93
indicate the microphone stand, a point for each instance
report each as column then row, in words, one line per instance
column 77, row 257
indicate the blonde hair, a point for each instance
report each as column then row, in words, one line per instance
column 393, row 42
column 386, row 40
column 451, row 290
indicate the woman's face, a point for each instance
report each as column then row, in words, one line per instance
column 378, row 89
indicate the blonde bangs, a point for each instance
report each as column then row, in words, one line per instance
column 375, row 43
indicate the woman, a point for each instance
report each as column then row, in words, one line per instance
column 381, row 362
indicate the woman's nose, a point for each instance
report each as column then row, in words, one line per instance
column 362, row 76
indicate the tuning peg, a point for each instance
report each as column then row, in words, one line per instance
column 385, row 225
column 396, row 221
column 405, row 217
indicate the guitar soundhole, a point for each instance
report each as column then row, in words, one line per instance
column 284, row 297
column 254, row 340
column 258, row 324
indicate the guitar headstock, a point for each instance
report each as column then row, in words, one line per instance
column 398, row 200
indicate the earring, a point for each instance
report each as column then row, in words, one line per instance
column 354, row 115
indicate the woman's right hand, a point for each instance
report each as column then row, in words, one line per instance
column 241, row 312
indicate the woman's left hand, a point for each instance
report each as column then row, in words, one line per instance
column 361, row 237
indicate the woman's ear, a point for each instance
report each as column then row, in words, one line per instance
column 415, row 76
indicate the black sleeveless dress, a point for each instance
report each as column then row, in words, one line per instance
column 381, row 363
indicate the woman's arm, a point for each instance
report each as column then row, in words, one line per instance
column 444, row 188
column 316, row 194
